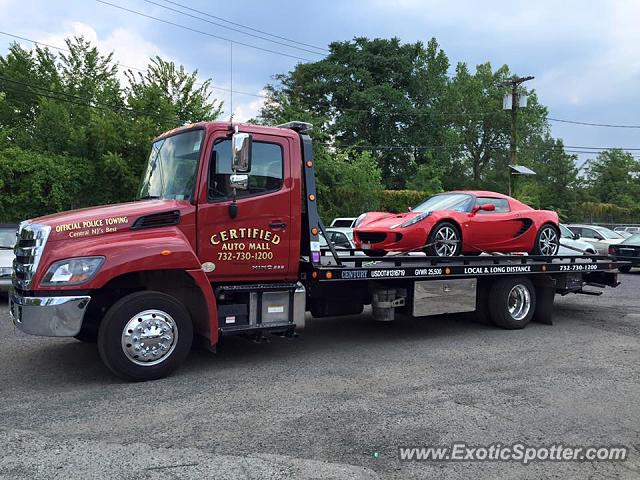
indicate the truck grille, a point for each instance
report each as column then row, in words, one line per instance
column 29, row 246
column 372, row 237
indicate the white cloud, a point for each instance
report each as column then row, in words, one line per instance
column 129, row 48
column 247, row 109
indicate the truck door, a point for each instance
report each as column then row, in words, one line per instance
column 256, row 244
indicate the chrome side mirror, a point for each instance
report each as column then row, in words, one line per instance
column 239, row 181
column 241, row 151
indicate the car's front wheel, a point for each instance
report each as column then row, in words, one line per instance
column 444, row 240
column 145, row 336
column 547, row 241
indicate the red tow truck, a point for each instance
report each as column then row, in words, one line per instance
column 225, row 239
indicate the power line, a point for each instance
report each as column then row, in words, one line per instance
column 246, row 27
column 121, row 65
column 231, row 28
column 76, row 99
column 85, row 102
column 184, row 27
column 589, row 124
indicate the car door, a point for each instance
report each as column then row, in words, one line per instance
column 489, row 230
column 256, row 243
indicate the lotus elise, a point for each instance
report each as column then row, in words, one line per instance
column 460, row 223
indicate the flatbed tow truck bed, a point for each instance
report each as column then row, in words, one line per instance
column 506, row 290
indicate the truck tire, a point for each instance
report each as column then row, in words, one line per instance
column 145, row 336
column 512, row 302
column 624, row 269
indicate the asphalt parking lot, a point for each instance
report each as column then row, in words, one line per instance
column 321, row 405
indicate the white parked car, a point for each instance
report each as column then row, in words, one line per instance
column 342, row 239
column 570, row 243
column 343, row 222
column 599, row 237
column 7, row 242
column 627, row 231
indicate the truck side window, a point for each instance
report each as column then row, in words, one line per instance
column 266, row 175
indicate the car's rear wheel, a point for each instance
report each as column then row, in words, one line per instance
column 444, row 240
column 624, row 269
column 374, row 253
column 547, row 241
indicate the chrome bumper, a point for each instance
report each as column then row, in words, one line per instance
column 48, row 316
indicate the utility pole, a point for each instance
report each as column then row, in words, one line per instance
column 513, row 144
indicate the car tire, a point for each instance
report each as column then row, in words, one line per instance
column 375, row 253
column 624, row 269
column 153, row 317
column 445, row 231
column 512, row 302
column 548, row 237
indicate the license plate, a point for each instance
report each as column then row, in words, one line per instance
column 366, row 246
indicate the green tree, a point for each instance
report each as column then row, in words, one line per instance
column 370, row 93
column 348, row 184
column 613, row 177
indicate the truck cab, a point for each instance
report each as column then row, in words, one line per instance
column 219, row 210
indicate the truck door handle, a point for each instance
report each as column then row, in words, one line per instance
column 277, row 224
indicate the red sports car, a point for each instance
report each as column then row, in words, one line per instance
column 460, row 222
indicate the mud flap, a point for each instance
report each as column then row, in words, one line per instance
column 545, row 296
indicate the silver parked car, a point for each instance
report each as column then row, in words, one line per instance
column 600, row 237
column 7, row 242
column 570, row 243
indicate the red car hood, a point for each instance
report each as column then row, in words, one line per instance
column 385, row 220
column 92, row 221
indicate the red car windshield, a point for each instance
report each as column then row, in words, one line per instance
column 460, row 202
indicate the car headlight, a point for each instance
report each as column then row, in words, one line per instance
column 72, row 271
column 416, row 219
column 359, row 220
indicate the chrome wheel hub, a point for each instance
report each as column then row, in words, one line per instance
column 548, row 242
column 446, row 242
column 519, row 302
column 149, row 337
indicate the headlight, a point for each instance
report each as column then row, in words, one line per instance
column 359, row 220
column 73, row 271
column 416, row 219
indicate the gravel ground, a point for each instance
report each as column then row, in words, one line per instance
column 321, row 405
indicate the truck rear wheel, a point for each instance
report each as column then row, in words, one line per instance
column 145, row 336
column 512, row 302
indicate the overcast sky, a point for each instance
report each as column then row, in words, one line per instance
column 585, row 54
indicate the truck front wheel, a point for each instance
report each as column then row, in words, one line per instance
column 145, row 336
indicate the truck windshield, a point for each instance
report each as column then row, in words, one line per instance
column 171, row 168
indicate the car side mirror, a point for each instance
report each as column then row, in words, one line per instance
column 488, row 207
column 577, row 236
column 598, row 237
column 241, row 144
